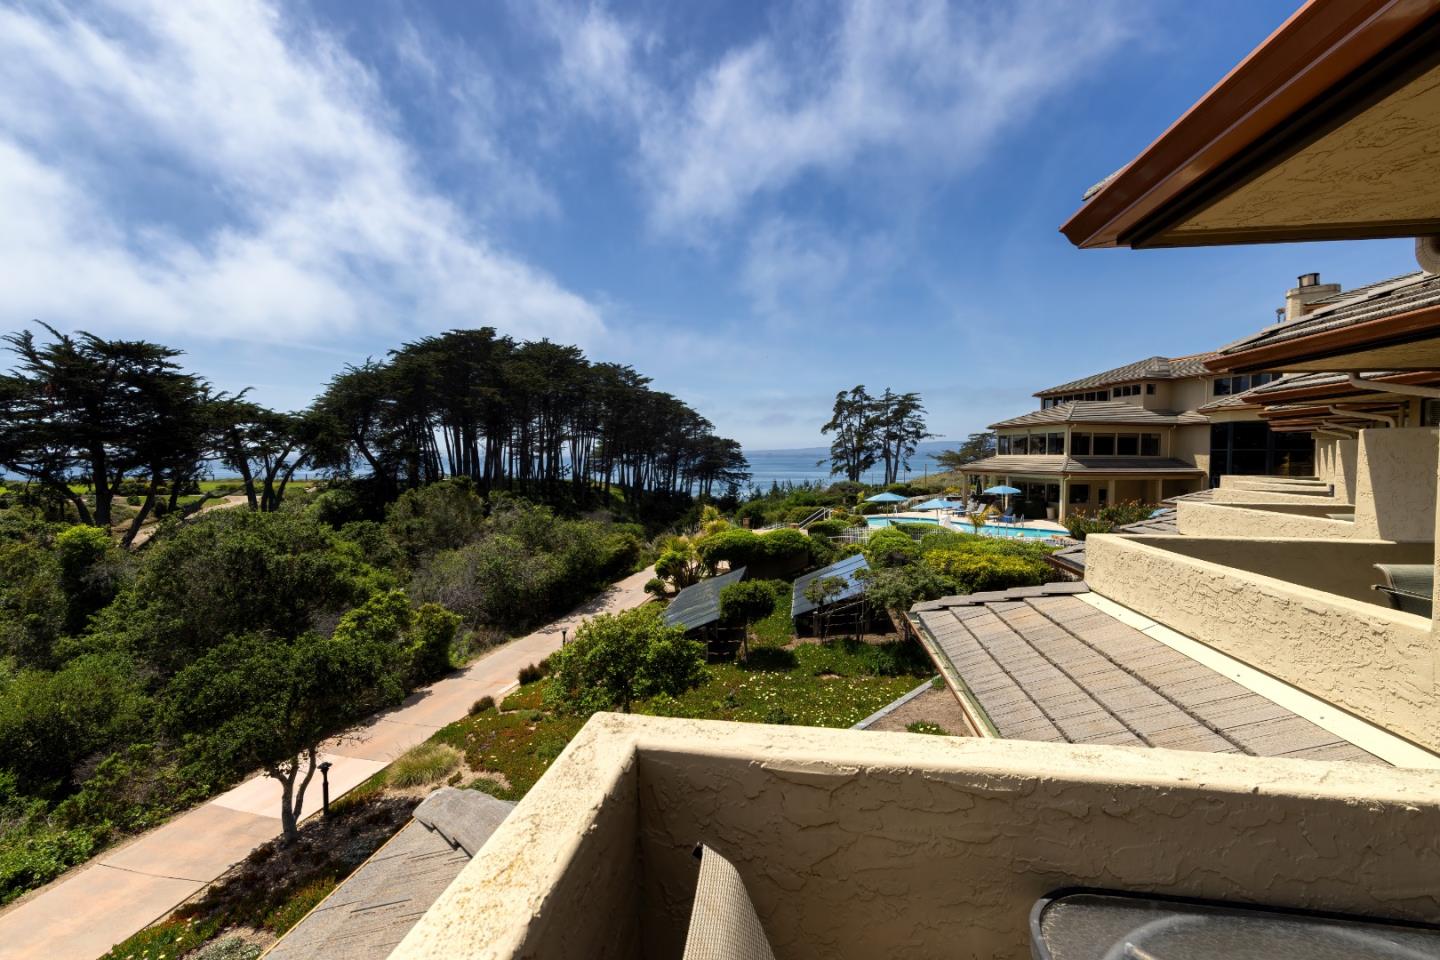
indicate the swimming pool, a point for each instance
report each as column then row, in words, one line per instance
column 986, row 529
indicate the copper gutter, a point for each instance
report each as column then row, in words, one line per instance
column 1422, row 324
column 1321, row 44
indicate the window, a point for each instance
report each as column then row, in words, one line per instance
column 1002, row 445
column 1127, row 444
column 1079, row 493
column 1130, row 390
column 1150, row 445
column 1104, row 495
column 1252, row 448
column 1079, row 444
column 1150, row 389
column 1104, row 445
column 1019, row 444
column 1430, row 413
column 1055, row 443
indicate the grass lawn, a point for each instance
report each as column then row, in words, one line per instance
column 820, row 685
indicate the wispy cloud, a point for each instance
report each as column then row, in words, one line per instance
column 312, row 216
column 921, row 84
column 794, row 270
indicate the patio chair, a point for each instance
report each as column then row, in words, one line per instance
column 1410, row 587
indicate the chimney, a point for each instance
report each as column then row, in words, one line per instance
column 1310, row 289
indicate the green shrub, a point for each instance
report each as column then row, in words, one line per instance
column 1081, row 523
column 828, row 528
column 974, row 572
column 482, row 705
column 616, row 659
column 889, row 547
column 424, row 764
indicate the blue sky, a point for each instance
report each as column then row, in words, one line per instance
column 756, row 205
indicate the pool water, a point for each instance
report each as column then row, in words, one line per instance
column 986, row 529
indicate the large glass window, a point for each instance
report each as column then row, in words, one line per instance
column 1252, row 448
column 1020, row 444
column 1127, row 444
column 1002, row 445
column 1055, row 443
column 1079, row 493
column 1079, row 444
column 1150, row 445
column 1104, row 445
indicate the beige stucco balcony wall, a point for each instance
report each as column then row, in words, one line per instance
column 1395, row 483
column 1335, row 462
column 856, row 844
column 1300, row 610
column 1262, row 521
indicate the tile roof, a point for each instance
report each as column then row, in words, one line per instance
column 1233, row 401
column 369, row 914
column 699, row 603
column 1101, row 411
column 1041, row 664
column 1390, row 298
column 1020, row 463
column 1151, row 368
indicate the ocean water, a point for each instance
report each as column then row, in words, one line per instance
column 798, row 466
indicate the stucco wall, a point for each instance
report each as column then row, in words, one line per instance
column 1200, row 519
column 1396, row 483
column 558, row 878
column 857, row 844
column 1335, row 462
column 1375, row 662
column 1224, row 494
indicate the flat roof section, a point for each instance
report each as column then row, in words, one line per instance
column 844, row 569
column 1038, row 663
column 699, row 604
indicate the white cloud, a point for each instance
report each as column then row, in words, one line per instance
column 794, row 270
column 921, row 84
column 321, row 221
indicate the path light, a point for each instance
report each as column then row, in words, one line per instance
column 563, row 632
column 325, row 786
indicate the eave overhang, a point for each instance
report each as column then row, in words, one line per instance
column 1411, row 340
column 1324, row 67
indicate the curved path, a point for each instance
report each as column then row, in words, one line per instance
column 84, row 913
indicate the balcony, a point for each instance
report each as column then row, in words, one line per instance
column 1392, row 474
column 857, row 845
column 1300, row 610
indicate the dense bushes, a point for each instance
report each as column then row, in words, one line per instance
column 1081, row 523
column 776, row 554
column 133, row 684
column 616, row 659
column 524, row 564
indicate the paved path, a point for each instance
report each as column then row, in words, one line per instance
column 82, row 915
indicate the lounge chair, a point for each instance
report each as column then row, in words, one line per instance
column 1410, row 587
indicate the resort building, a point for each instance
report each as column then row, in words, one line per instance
column 1228, row 712
column 1148, row 431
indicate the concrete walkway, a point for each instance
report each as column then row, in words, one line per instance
column 82, row 915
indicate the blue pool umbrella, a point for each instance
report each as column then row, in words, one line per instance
column 886, row 497
column 1005, row 492
column 937, row 504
